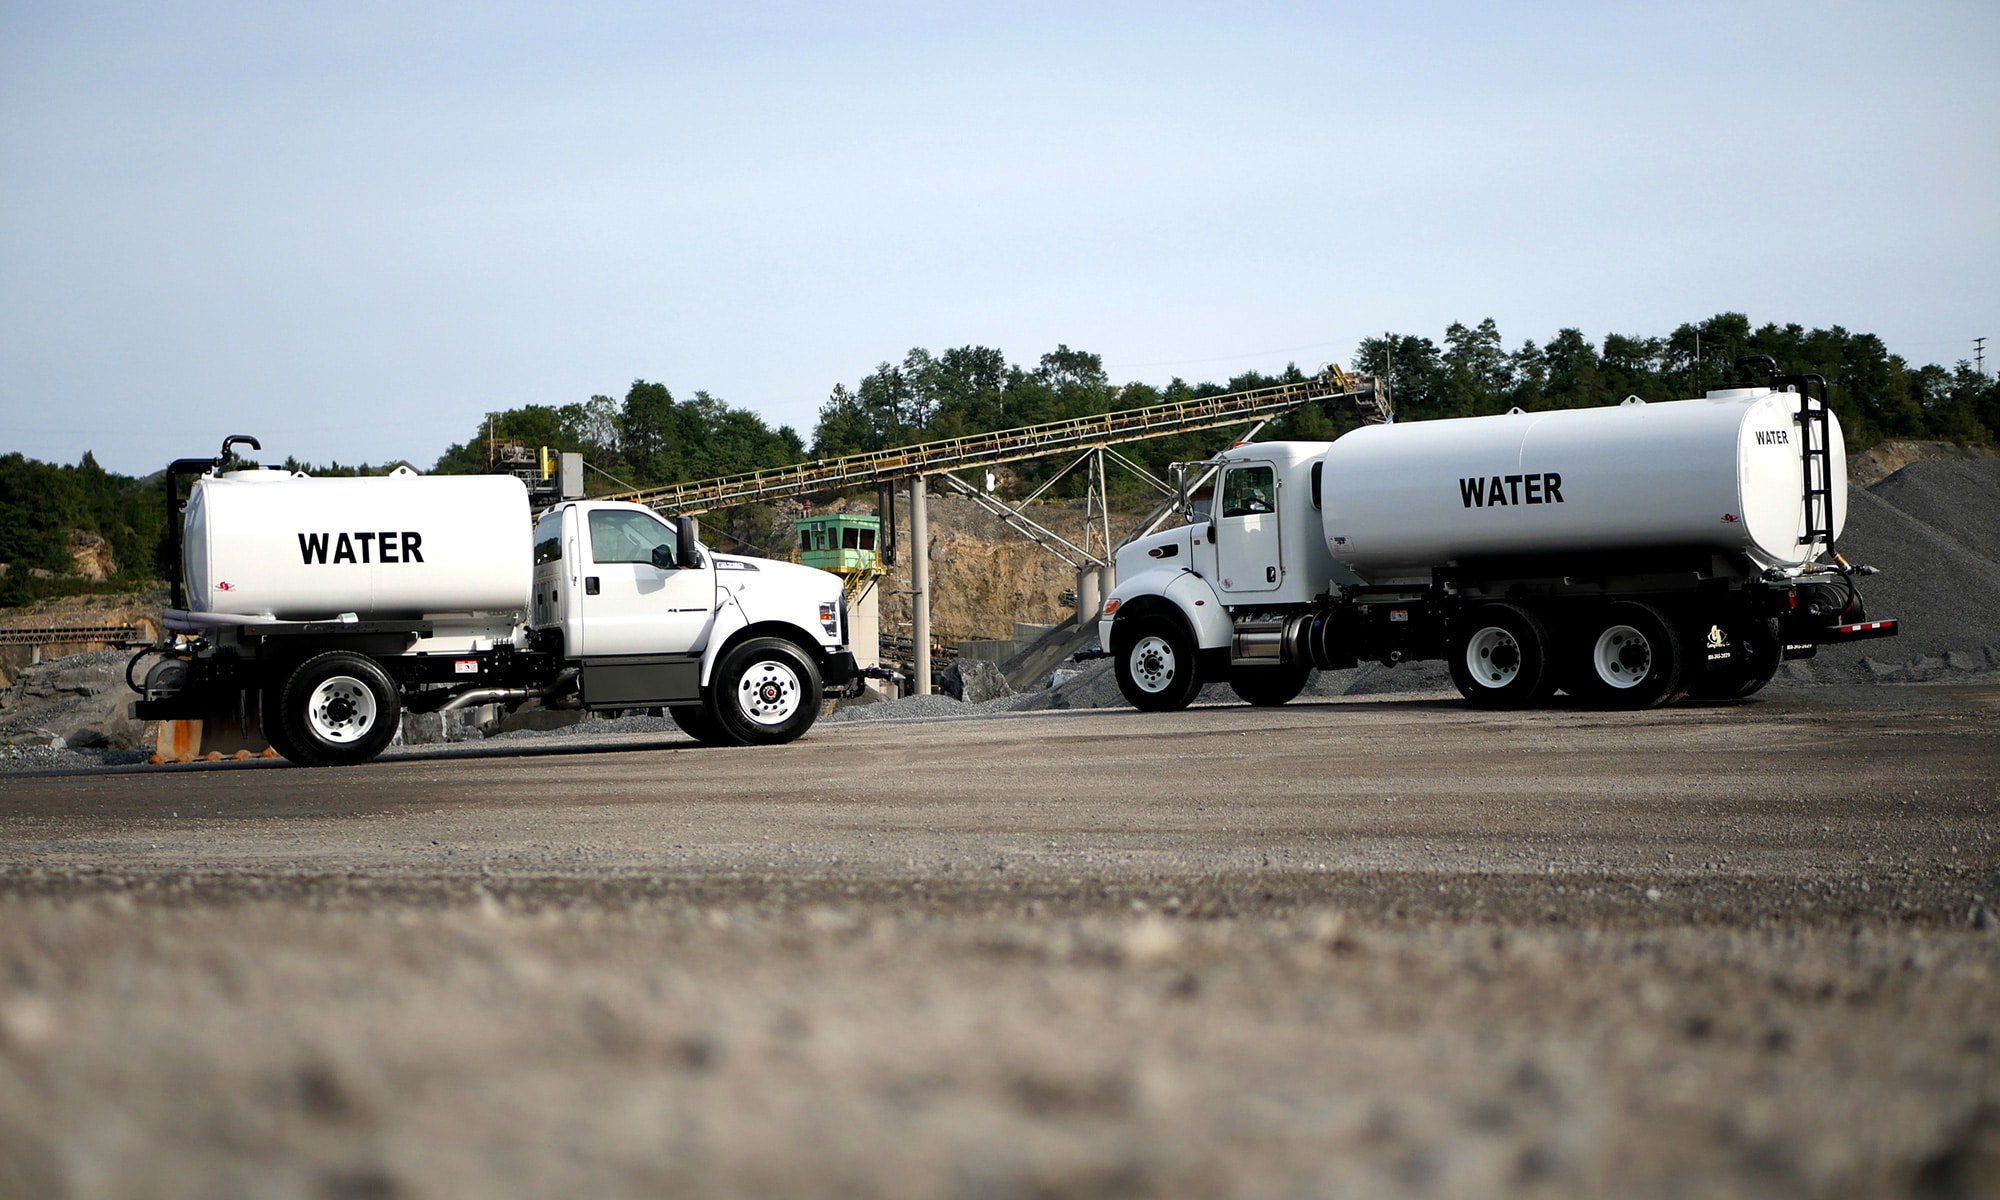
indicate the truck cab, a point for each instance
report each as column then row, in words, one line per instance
column 648, row 616
column 1254, row 544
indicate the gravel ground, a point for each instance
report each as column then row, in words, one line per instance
column 1367, row 946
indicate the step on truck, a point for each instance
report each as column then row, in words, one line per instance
column 317, row 611
column 1629, row 556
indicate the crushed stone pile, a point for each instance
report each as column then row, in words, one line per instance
column 1934, row 530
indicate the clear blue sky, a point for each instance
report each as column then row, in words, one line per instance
column 352, row 229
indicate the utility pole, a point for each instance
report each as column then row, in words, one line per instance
column 1979, row 355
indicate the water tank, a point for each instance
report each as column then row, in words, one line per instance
column 1723, row 472
column 276, row 544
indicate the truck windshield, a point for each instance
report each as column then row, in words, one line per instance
column 627, row 536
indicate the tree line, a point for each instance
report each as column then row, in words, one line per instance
column 650, row 437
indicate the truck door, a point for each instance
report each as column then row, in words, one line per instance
column 626, row 604
column 1245, row 529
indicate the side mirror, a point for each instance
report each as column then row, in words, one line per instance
column 688, row 534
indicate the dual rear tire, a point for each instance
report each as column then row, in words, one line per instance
column 1501, row 656
column 1630, row 657
column 1627, row 655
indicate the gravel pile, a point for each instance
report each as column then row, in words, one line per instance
column 1923, row 527
column 1958, row 498
column 636, row 723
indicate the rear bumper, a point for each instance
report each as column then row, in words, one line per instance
column 1860, row 631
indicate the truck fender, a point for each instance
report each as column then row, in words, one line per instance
column 729, row 621
column 1185, row 591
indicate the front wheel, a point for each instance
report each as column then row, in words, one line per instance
column 1156, row 665
column 1268, row 687
column 1499, row 657
column 337, row 709
column 700, row 724
column 764, row 692
column 1631, row 658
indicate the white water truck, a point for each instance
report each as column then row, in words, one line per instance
column 1630, row 556
column 319, row 610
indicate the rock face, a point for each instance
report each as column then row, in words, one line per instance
column 81, row 700
column 975, row 682
column 92, row 556
column 986, row 577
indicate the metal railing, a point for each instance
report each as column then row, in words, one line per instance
column 52, row 635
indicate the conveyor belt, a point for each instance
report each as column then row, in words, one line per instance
column 1362, row 394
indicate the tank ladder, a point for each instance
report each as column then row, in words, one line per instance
column 1816, row 459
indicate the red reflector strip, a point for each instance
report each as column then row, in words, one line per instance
column 1859, row 632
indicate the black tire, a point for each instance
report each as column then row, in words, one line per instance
column 1500, row 657
column 1629, row 657
column 700, row 724
column 338, row 709
column 1755, row 652
column 1156, row 664
column 765, row 692
column 1268, row 687
column 271, row 719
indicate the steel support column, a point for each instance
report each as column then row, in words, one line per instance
column 920, row 585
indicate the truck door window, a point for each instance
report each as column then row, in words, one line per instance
column 617, row 537
column 548, row 537
column 1247, row 491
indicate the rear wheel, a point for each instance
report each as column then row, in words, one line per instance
column 1156, row 664
column 1755, row 651
column 1499, row 657
column 271, row 718
column 338, row 709
column 1268, row 687
column 764, row 692
column 1630, row 657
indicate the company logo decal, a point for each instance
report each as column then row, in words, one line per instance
column 225, row 586
column 1501, row 490
column 1730, row 518
column 387, row 546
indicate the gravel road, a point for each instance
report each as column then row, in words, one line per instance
column 1369, row 946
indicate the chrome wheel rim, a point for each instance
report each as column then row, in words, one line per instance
column 1493, row 657
column 1152, row 662
column 769, row 693
column 1622, row 656
column 341, row 710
